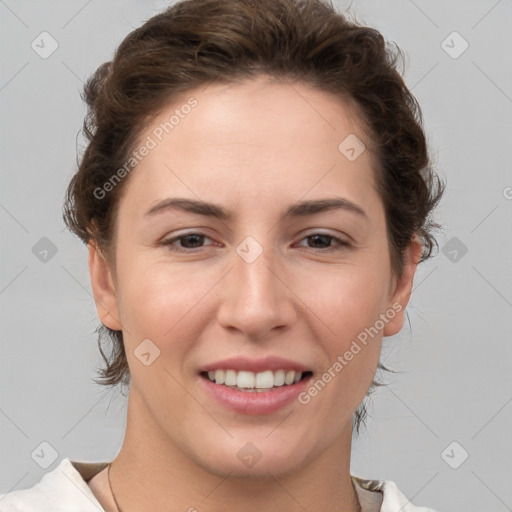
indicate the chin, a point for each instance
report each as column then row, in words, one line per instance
column 264, row 469
column 257, row 455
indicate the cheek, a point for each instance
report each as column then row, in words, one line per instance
column 159, row 301
column 349, row 303
column 347, row 299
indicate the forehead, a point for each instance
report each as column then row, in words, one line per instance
column 262, row 111
column 247, row 138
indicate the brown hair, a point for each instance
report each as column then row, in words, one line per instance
column 196, row 42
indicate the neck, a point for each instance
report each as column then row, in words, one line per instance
column 162, row 477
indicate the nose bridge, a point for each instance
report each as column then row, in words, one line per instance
column 255, row 300
column 255, row 279
column 255, row 270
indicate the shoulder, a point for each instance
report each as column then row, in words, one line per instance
column 60, row 490
column 383, row 496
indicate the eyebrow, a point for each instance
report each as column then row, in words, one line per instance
column 302, row 209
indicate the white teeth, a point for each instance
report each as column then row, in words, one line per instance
column 288, row 379
column 220, row 375
column 245, row 380
column 230, row 379
column 250, row 380
column 279, row 378
column 264, row 380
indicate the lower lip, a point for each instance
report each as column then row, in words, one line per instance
column 255, row 402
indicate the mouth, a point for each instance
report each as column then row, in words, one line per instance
column 257, row 386
column 255, row 382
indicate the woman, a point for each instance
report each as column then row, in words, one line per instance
column 255, row 197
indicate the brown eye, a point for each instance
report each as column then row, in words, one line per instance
column 187, row 242
column 324, row 241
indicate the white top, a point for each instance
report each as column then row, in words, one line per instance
column 65, row 489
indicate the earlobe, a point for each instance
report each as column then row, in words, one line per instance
column 103, row 289
column 402, row 292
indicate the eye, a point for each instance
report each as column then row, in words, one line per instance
column 324, row 240
column 188, row 242
column 193, row 241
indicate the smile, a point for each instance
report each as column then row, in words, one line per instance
column 255, row 382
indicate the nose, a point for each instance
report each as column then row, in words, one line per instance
column 256, row 299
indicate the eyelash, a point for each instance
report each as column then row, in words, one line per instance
column 342, row 244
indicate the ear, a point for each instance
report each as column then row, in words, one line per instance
column 403, row 287
column 103, row 289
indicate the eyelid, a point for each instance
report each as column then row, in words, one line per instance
column 177, row 237
column 341, row 241
column 334, row 234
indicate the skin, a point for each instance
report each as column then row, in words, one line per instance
column 254, row 148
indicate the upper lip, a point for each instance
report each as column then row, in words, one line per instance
column 242, row 363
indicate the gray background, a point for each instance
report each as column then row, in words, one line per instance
column 455, row 361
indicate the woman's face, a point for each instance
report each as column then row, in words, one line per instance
column 281, row 283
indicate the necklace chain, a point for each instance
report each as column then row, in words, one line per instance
column 119, row 508
column 112, row 490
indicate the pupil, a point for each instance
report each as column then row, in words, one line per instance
column 199, row 238
column 320, row 237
